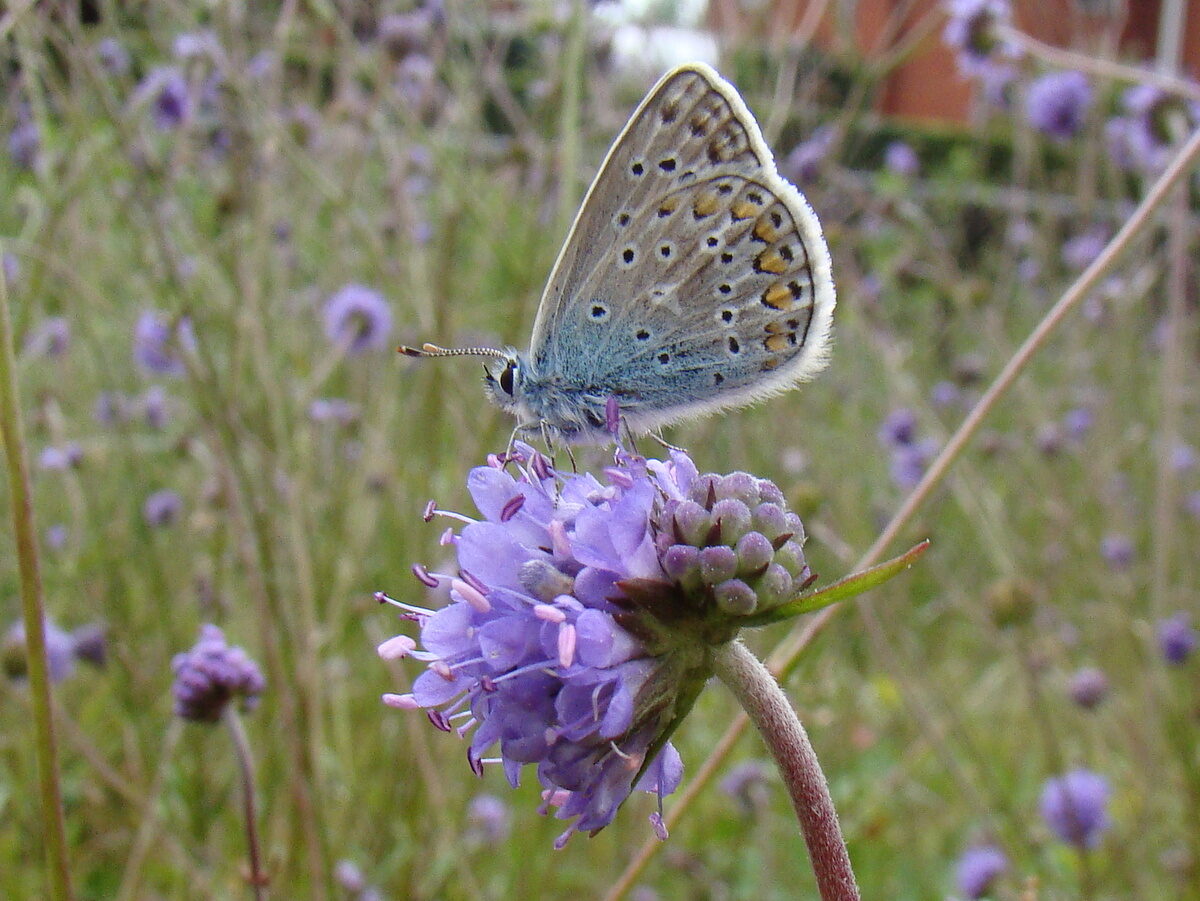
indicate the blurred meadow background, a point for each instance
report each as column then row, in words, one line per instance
column 218, row 219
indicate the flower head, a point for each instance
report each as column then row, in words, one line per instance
column 162, row 508
column 156, row 344
column 170, row 99
column 112, row 55
column 900, row 158
column 487, row 820
column 358, row 318
column 804, row 162
column 1074, row 806
column 1155, row 121
column 972, row 30
column 1176, row 637
column 211, row 675
column 50, row 338
column 1089, row 687
column 1057, row 104
column 62, row 649
column 579, row 620
column 978, row 868
column 24, row 142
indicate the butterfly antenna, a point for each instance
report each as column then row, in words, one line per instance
column 432, row 350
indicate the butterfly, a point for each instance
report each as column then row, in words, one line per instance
column 694, row 279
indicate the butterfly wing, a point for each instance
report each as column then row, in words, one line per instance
column 694, row 278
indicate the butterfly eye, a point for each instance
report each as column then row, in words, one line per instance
column 506, row 378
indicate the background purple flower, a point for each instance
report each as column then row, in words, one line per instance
column 1074, row 806
column 156, row 349
column 1117, row 550
column 902, row 159
column 1057, row 103
column 50, row 338
column 978, row 869
column 971, row 30
column 1176, row 637
column 358, row 319
column 162, row 508
column 166, row 91
column 112, row 56
column 1089, row 686
column 211, row 675
column 805, row 161
column 24, row 142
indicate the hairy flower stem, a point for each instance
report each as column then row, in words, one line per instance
column 768, row 708
column 241, row 747
column 45, row 747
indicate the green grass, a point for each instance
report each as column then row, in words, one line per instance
column 936, row 725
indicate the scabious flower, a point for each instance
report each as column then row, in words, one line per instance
column 166, row 91
column 746, row 783
column 1079, row 252
column 978, row 868
column 60, row 457
column 580, row 617
column 358, row 319
column 1176, row 638
column 1089, row 686
column 1155, row 121
column 112, row 56
column 162, row 508
column 1057, row 104
column 909, row 456
column 155, row 406
column 211, row 675
column 50, row 338
column 24, row 142
column 805, row 161
column 63, row 648
column 972, row 30
column 156, row 345
column 488, row 820
column 1074, row 806
column 1117, row 550
column 900, row 158
column 334, row 409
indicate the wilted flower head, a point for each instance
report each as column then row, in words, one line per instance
column 1176, row 637
column 1057, row 103
column 1089, row 686
column 156, row 345
column 972, row 31
column 1074, row 806
column 358, row 319
column 161, row 508
column 580, row 619
column 978, row 868
column 211, row 675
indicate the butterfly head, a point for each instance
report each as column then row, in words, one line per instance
column 502, row 379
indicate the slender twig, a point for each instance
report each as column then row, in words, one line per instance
column 32, row 609
column 787, row 653
column 1106, row 68
column 241, row 745
column 781, row 730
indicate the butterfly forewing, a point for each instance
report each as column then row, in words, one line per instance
column 694, row 278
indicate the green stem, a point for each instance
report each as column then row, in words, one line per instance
column 569, row 137
column 781, row 730
column 32, row 609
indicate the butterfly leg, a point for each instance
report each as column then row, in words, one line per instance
column 657, row 436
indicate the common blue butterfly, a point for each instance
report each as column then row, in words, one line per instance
column 694, row 279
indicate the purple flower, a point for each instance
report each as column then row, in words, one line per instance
column 156, row 345
column 56, row 536
column 111, row 408
column 1191, row 504
column 166, row 90
column 747, row 785
column 1156, row 121
column 580, row 614
column 62, row 649
column 978, row 868
column 334, row 409
column 1077, row 422
column 50, row 338
column 899, row 428
column 997, row 81
column 1120, row 143
column 945, row 394
column 59, row 458
column 1117, row 550
column 196, row 45
column 211, row 675
column 24, row 142
column 1176, row 638
column 902, row 159
column 155, row 407
column 162, row 508
column 971, row 30
column 112, row 55
column 1074, row 806
column 806, row 159
column 909, row 462
column 488, row 820
column 1089, row 686
column 1079, row 251
column 358, row 319
column 1057, row 104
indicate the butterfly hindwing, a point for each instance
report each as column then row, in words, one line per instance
column 694, row 278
